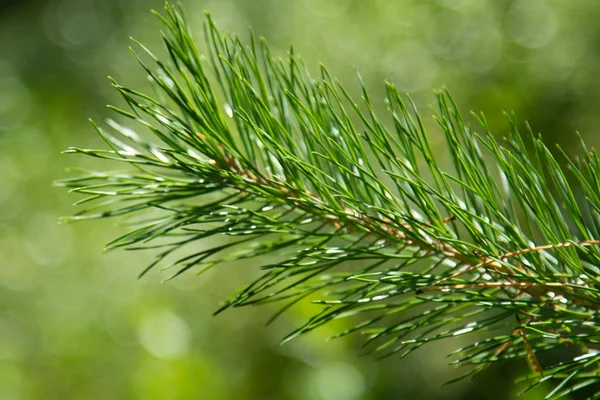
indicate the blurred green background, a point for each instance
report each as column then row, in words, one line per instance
column 76, row 324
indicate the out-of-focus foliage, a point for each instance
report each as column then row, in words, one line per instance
column 74, row 324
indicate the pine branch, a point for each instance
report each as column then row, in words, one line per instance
column 332, row 199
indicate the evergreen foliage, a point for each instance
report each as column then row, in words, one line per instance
column 338, row 203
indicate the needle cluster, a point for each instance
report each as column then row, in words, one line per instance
column 349, row 207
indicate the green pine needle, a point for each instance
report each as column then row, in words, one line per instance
column 335, row 200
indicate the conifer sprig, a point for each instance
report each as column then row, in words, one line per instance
column 340, row 203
